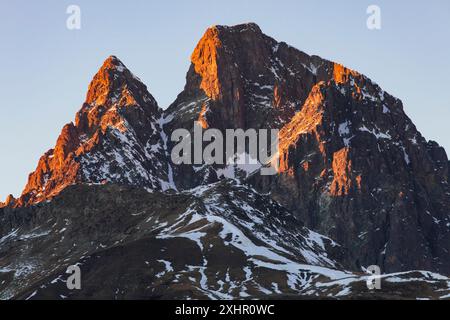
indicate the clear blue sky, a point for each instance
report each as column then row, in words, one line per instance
column 46, row 68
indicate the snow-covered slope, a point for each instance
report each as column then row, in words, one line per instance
column 220, row 241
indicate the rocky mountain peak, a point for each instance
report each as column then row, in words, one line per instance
column 114, row 79
column 114, row 87
column 223, row 52
column 116, row 137
column 239, row 70
column 111, row 70
column 215, row 55
column 352, row 164
column 9, row 202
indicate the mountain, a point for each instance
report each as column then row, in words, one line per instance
column 359, row 172
column 357, row 185
column 116, row 137
column 352, row 164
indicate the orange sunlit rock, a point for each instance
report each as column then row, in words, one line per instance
column 204, row 59
column 303, row 122
column 201, row 117
column 10, row 201
column 127, row 98
column 101, row 84
column 358, row 181
column 112, row 119
column 342, row 74
column 113, row 93
column 342, row 173
column 277, row 100
column 342, row 167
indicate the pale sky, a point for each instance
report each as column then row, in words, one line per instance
column 46, row 68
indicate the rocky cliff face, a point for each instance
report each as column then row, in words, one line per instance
column 353, row 167
column 116, row 137
column 359, row 171
column 352, row 164
column 241, row 78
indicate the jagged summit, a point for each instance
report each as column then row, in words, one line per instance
column 239, row 70
column 9, row 202
column 112, row 62
column 115, row 87
column 247, row 26
column 353, row 165
column 114, row 79
column 116, row 137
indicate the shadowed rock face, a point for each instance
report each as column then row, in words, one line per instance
column 359, row 172
column 353, row 168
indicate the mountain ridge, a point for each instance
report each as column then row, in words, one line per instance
column 117, row 108
column 353, row 167
column 342, row 129
column 238, row 249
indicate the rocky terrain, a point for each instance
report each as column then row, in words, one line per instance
column 221, row 241
column 357, row 185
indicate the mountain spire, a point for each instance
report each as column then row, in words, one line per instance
column 116, row 137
